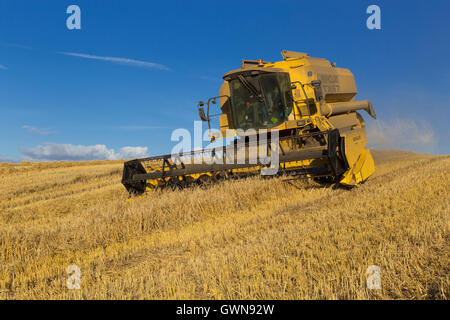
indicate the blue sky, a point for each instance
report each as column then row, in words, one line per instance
column 142, row 66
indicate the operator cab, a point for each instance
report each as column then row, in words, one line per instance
column 260, row 98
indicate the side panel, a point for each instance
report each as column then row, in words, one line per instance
column 359, row 159
column 226, row 118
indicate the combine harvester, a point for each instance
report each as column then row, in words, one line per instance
column 301, row 111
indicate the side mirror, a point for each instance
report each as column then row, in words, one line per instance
column 201, row 113
column 316, row 83
column 317, row 89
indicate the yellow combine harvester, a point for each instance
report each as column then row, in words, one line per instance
column 301, row 110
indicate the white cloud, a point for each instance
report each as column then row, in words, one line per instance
column 69, row 152
column 8, row 159
column 132, row 152
column 37, row 130
column 15, row 45
column 137, row 63
column 405, row 134
column 3, row 67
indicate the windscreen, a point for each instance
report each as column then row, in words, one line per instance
column 260, row 101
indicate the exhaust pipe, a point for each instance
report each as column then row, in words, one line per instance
column 331, row 109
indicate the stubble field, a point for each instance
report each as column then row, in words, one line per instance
column 247, row 239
